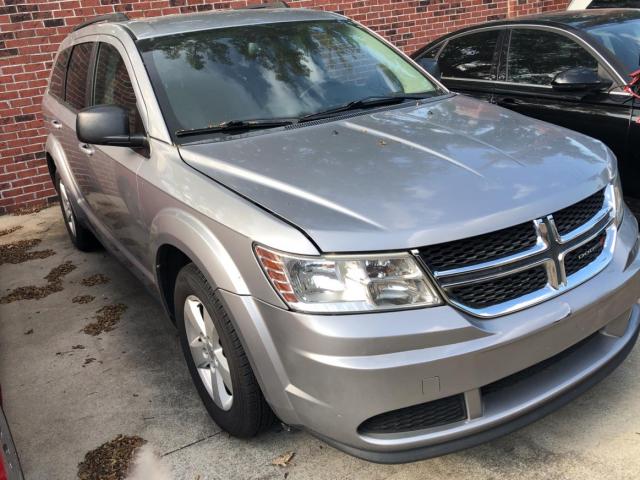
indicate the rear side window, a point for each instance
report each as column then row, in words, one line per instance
column 470, row 56
column 113, row 85
column 78, row 76
column 56, row 85
column 537, row 56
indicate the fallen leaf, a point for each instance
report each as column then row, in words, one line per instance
column 20, row 251
column 111, row 460
column 97, row 279
column 88, row 361
column 106, row 319
column 83, row 299
column 283, row 460
column 33, row 292
column 29, row 332
column 7, row 231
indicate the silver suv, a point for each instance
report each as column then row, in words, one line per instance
column 340, row 240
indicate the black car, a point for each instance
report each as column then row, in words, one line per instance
column 581, row 4
column 573, row 68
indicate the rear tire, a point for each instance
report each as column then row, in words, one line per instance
column 217, row 362
column 81, row 237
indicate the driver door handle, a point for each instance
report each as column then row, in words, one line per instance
column 86, row 148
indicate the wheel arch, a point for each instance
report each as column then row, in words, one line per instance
column 57, row 164
column 179, row 238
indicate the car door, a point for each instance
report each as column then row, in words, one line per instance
column 75, row 97
column 534, row 56
column 468, row 62
column 114, row 196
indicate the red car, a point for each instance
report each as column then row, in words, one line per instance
column 9, row 463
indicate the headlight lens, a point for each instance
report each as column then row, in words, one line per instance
column 618, row 202
column 334, row 284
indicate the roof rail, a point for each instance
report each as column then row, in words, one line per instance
column 111, row 17
column 267, row 5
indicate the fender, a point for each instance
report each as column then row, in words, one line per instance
column 189, row 234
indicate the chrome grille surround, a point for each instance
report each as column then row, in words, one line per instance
column 549, row 252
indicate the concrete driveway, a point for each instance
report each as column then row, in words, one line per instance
column 60, row 403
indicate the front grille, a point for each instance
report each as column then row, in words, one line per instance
column 494, row 292
column 582, row 256
column 417, row 417
column 572, row 217
column 527, row 373
column 478, row 249
column 476, row 275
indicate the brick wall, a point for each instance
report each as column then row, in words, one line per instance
column 30, row 31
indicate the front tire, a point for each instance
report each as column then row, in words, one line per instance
column 80, row 236
column 217, row 362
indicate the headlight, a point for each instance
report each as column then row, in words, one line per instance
column 337, row 283
column 617, row 200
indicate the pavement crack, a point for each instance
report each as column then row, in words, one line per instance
column 191, row 444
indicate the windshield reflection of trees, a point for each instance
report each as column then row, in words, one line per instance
column 285, row 51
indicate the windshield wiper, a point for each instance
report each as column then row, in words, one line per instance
column 237, row 126
column 366, row 102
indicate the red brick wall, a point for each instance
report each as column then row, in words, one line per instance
column 30, row 31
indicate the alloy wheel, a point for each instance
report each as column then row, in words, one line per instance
column 207, row 353
column 66, row 210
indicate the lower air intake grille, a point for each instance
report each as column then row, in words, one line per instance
column 493, row 292
column 418, row 417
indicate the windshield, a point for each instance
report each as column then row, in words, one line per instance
column 621, row 38
column 272, row 71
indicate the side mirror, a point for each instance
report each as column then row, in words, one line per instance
column 579, row 79
column 431, row 66
column 107, row 125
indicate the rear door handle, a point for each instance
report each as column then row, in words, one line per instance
column 56, row 123
column 86, row 148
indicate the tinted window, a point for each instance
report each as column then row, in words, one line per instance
column 56, row 85
column 113, row 84
column 431, row 53
column 622, row 38
column 272, row 70
column 78, row 75
column 614, row 4
column 536, row 56
column 470, row 56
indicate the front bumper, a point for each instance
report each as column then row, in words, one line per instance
column 329, row 374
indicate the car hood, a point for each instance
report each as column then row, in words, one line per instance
column 410, row 176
